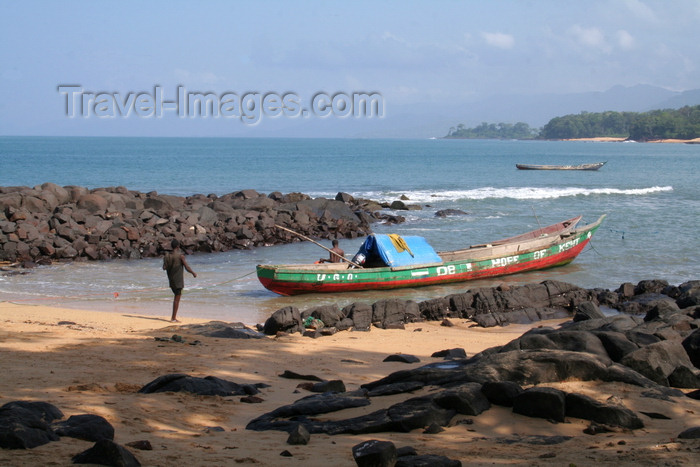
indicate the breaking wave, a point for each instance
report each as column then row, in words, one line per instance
column 509, row 192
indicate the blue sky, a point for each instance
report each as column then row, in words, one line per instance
column 418, row 54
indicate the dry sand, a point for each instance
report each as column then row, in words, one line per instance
column 97, row 364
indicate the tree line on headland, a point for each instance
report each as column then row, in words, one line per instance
column 683, row 123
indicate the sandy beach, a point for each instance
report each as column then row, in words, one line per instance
column 95, row 362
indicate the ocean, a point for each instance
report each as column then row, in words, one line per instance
column 648, row 191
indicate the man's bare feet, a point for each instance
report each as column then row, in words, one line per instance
column 174, row 320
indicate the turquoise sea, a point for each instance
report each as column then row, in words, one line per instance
column 649, row 192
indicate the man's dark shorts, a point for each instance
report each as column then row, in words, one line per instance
column 176, row 291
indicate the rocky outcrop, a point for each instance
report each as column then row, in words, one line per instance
column 49, row 222
column 208, row 386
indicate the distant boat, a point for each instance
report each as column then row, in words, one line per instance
column 594, row 166
column 392, row 263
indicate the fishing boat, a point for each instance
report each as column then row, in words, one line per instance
column 390, row 261
column 593, row 166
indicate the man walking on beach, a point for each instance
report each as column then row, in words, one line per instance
column 336, row 254
column 174, row 263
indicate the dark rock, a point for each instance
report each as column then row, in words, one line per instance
column 390, row 313
column 447, row 323
column 587, row 310
column 335, row 385
column 626, row 290
column 616, row 344
column 403, row 358
column 141, row 445
column 466, row 399
column 435, row 309
column 662, row 310
column 311, row 405
column 292, row 375
column 541, row 402
column 299, row 435
column 44, row 411
column 286, row 453
column 655, row 415
column 546, row 338
column 107, row 452
column 684, row 377
column 395, row 388
column 287, row 319
column 360, row 314
column 344, row 197
column 657, row 361
column 398, row 205
column 223, row 330
column 374, row 453
column 450, row 354
column 330, row 315
column 87, row 427
column 427, row 460
column 690, row 433
column 501, row 392
column 208, row 386
column 401, row 417
column 252, row 400
column 691, row 344
column 25, row 425
column 450, row 212
column 406, row 451
column 650, row 286
column 581, row 406
column 433, row 429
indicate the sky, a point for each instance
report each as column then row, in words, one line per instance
column 415, row 55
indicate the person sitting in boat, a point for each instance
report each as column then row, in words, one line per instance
column 336, row 254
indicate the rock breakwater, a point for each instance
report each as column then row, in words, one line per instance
column 49, row 222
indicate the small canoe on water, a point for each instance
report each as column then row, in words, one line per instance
column 393, row 262
column 593, row 166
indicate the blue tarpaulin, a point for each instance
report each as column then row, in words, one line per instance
column 380, row 248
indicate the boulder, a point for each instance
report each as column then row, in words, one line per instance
column 93, row 203
column 287, row 319
column 360, row 314
column 501, row 392
column 208, row 386
column 657, row 361
column 87, row 427
column 587, row 310
column 107, row 452
column 425, row 460
column 450, row 212
column 299, row 435
column 374, row 453
column 691, row 344
column 581, row 406
column 330, row 315
column 541, row 402
column 25, row 425
column 466, row 399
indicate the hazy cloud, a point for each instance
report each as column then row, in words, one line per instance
column 590, row 37
column 625, row 40
column 498, row 39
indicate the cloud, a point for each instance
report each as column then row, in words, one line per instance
column 640, row 10
column 625, row 40
column 498, row 39
column 592, row 38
